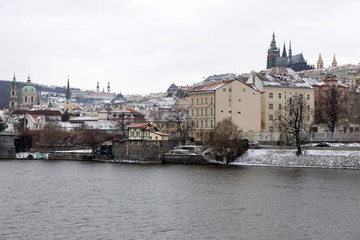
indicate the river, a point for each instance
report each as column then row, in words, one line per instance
column 86, row 200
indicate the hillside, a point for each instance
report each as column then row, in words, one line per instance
column 5, row 91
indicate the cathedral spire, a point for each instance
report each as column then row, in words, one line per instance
column 108, row 87
column 320, row 62
column 334, row 62
column 273, row 46
column 284, row 54
column 68, row 93
column 97, row 87
column 290, row 50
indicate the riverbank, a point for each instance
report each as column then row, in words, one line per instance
column 349, row 159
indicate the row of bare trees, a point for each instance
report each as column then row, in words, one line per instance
column 52, row 136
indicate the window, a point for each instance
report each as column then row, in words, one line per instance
column 192, row 112
column 201, row 123
column 301, row 97
column 13, row 93
column 205, row 112
column 211, row 123
column 211, row 100
column 192, row 101
column 25, row 98
column 197, row 112
column 201, row 112
column 244, row 89
column 315, row 93
column 211, row 111
column 197, row 101
column 224, row 89
column 12, row 104
column 279, row 107
column 271, row 118
column 229, row 111
column 308, row 97
column 271, row 95
column 271, row 106
column 205, row 100
column 229, row 89
column 308, row 118
column 308, row 107
column 271, row 128
column 205, row 123
column 279, row 118
column 290, row 100
column 197, row 123
column 279, row 95
column 202, row 101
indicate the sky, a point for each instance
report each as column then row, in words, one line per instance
column 143, row 46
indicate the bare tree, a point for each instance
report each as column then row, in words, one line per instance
column 225, row 141
column 121, row 123
column 182, row 127
column 292, row 120
column 331, row 108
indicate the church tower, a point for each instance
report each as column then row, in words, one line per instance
column 14, row 95
column 68, row 104
column 320, row 62
column 108, row 87
column 273, row 52
column 290, row 51
column 97, row 87
column 334, row 62
column 284, row 54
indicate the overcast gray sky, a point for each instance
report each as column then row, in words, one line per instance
column 143, row 46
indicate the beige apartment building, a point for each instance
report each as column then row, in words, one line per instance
column 277, row 86
column 212, row 102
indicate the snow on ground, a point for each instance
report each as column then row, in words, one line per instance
column 310, row 158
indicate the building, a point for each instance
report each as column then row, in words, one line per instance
column 295, row 62
column 14, row 95
column 28, row 95
column 277, row 85
column 322, row 89
column 215, row 101
column 145, row 131
column 68, row 104
column 27, row 98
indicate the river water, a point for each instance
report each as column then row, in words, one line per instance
column 84, row 200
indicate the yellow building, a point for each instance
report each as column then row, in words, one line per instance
column 145, row 131
column 278, row 85
column 213, row 102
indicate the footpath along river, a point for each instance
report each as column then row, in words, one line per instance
column 86, row 200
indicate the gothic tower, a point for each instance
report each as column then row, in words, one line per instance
column 68, row 104
column 290, row 51
column 284, row 54
column 108, row 87
column 273, row 52
column 334, row 62
column 320, row 62
column 14, row 95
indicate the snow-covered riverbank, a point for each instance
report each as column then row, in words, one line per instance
column 310, row 158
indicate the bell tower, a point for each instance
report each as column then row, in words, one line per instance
column 14, row 95
column 273, row 52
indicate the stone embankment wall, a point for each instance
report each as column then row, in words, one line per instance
column 142, row 150
column 7, row 146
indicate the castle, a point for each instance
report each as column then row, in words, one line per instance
column 295, row 62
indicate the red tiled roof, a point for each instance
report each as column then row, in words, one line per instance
column 211, row 86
